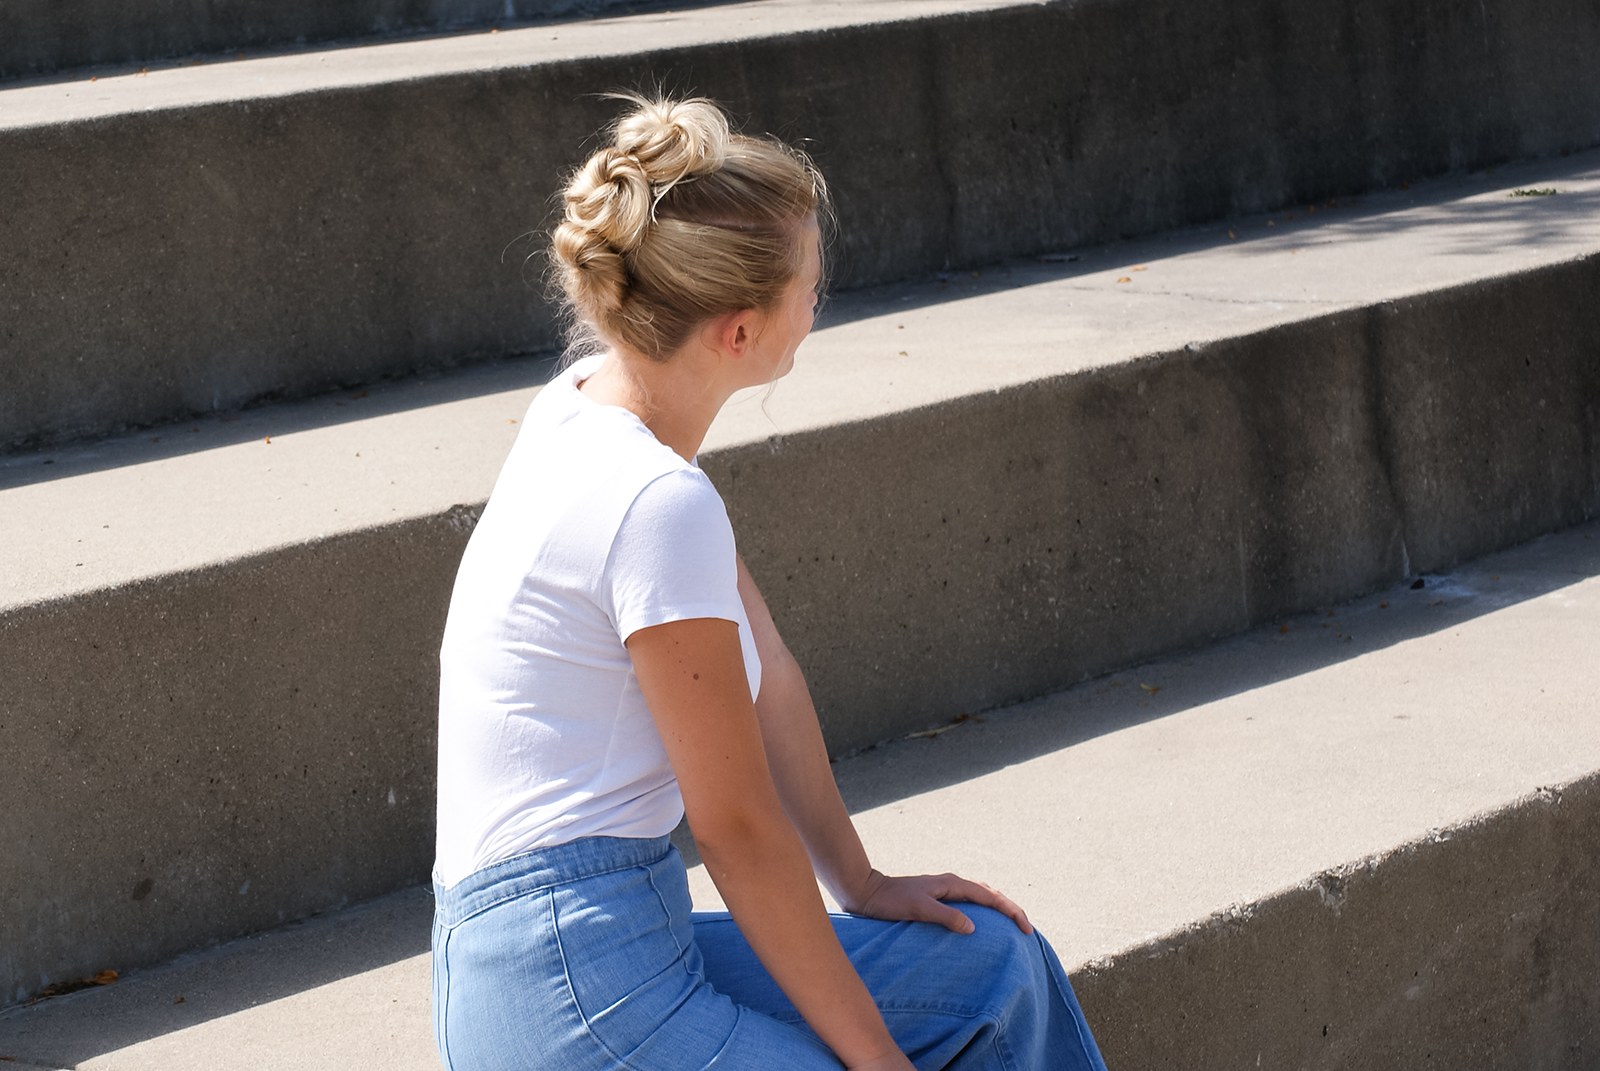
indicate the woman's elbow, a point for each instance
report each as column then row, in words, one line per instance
column 733, row 829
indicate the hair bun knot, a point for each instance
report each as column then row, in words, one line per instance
column 674, row 140
column 612, row 198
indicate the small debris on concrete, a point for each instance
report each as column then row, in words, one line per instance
column 60, row 989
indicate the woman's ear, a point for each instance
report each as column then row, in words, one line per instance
column 733, row 332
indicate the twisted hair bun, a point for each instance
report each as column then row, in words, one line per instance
column 632, row 272
column 675, row 140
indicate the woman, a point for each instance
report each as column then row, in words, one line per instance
column 609, row 665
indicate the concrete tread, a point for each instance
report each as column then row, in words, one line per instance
column 212, row 490
column 74, row 98
column 1115, row 813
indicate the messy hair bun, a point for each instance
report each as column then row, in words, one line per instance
column 678, row 220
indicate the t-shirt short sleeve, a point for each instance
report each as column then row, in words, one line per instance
column 673, row 557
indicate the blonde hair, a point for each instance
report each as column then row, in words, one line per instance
column 678, row 221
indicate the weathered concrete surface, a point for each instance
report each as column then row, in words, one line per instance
column 1479, row 950
column 997, row 129
column 205, row 756
column 158, row 677
column 41, row 36
column 1384, row 827
column 186, row 496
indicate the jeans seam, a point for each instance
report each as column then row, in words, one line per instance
column 1001, row 1050
column 649, row 876
column 572, row 993
column 443, row 997
column 1086, row 1040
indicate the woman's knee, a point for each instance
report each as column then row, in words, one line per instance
column 999, row 938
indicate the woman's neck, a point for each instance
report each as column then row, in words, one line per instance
column 677, row 399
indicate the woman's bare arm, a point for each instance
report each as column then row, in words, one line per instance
column 692, row 675
column 804, row 782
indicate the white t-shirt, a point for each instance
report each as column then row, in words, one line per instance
column 595, row 529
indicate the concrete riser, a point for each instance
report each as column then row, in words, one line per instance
column 270, row 721
column 177, row 262
column 1002, row 546
column 1478, row 951
column 249, row 721
column 40, row 36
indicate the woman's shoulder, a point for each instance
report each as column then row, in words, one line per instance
column 679, row 490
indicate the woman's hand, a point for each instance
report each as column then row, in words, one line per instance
column 917, row 899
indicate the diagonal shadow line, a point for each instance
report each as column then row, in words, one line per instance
column 1375, row 217
column 1249, row 661
column 1383, row 214
column 1195, row 677
column 214, row 431
column 221, row 981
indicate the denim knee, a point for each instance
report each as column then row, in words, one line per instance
column 1000, row 951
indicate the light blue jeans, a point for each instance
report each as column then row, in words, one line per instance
column 585, row 957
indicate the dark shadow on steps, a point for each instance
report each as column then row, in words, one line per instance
column 216, row 430
column 219, row 981
column 974, row 746
column 898, row 769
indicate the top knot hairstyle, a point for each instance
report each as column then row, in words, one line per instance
column 680, row 220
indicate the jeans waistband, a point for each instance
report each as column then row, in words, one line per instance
column 542, row 868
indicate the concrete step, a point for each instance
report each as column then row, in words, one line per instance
column 1349, row 841
column 972, row 491
column 198, row 238
column 38, row 37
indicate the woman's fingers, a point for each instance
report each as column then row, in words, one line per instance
column 976, row 892
column 920, row 899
